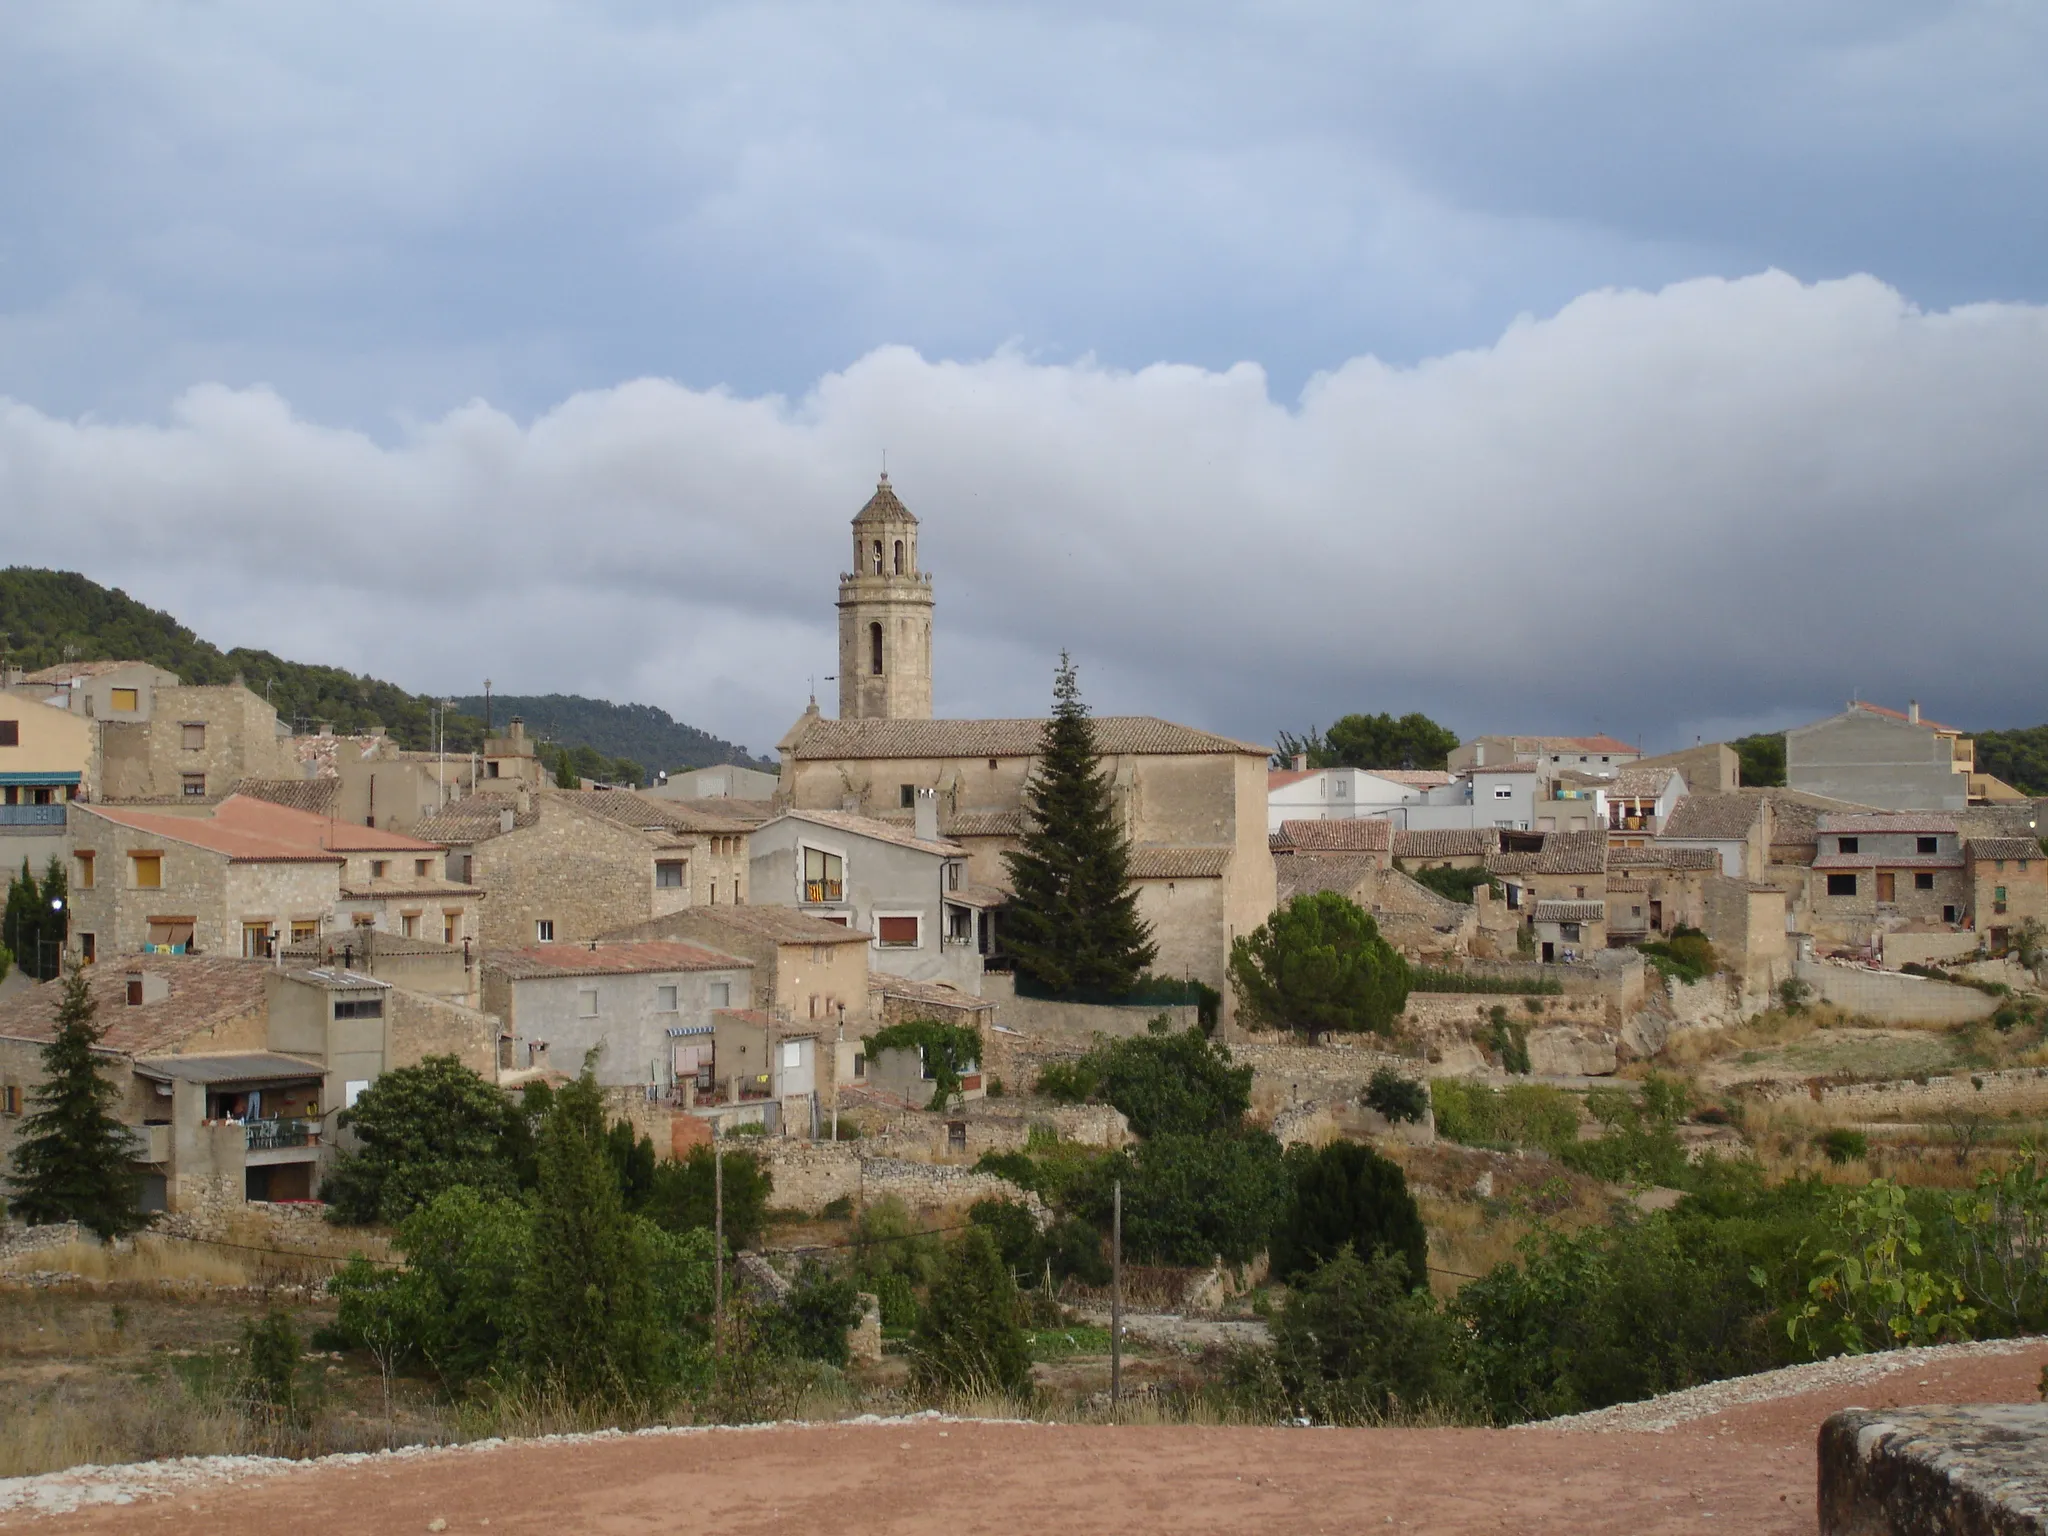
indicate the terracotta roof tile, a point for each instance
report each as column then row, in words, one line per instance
column 1571, row 911
column 2002, row 848
column 1359, row 834
column 1446, row 843
column 1713, row 818
column 237, row 844
column 1654, row 857
column 986, row 824
column 287, row 824
column 204, row 990
column 784, row 925
column 1115, row 735
column 1312, row 876
column 1179, row 863
column 314, row 796
column 1876, row 823
column 648, row 813
column 603, row 959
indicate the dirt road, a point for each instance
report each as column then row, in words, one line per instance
column 1749, row 1469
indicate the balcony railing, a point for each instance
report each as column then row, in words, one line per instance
column 31, row 815
column 268, row 1135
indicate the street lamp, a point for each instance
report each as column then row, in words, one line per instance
column 49, row 973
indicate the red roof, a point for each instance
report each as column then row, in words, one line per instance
column 288, row 824
column 1900, row 714
column 237, row 843
column 600, row 959
column 1279, row 778
column 1364, row 834
column 1607, row 744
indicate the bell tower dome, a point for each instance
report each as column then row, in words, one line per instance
column 885, row 617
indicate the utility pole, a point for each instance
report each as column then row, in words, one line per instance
column 835, row 1073
column 1116, row 1297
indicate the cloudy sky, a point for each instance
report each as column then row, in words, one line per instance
column 1662, row 368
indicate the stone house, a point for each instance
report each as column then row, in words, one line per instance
column 1550, row 866
column 805, row 968
column 195, row 743
column 231, row 1072
column 636, row 1005
column 721, row 781
column 1881, row 870
column 120, row 692
column 1639, row 801
column 2008, row 884
column 1711, row 769
column 1547, row 754
column 1443, row 847
column 1880, row 757
column 1302, row 793
column 246, row 877
column 904, row 885
column 1568, row 930
column 1369, row 838
column 558, row 869
column 745, row 1066
column 1735, row 827
column 1653, row 890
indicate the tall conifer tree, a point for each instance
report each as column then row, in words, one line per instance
column 1073, row 922
column 71, row 1158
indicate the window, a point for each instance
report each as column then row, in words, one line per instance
column 409, row 925
column 668, row 874
column 258, row 941
column 1841, row 885
column 896, row 932
column 544, row 930
column 1927, row 845
column 362, row 920
column 10, row 733
column 1503, row 792
column 379, row 868
column 899, row 557
column 586, row 1003
column 1923, row 880
column 959, row 924
column 824, row 876
column 860, row 1064
column 359, row 1007
column 148, row 870
column 875, row 649
column 1848, row 845
column 420, row 867
column 720, row 993
column 194, row 785
column 192, row 736
column 10, row 1099
column 451, row 927
column 88, row 948
column 85, row 863
column 1949, row 915
column 665, row 1000
column 134, row 991
column 876, row 556
column 952, row 877
column 792, row 1055
column 956, row 1135
column 172, row 935
column 906, row 796
column 122, row 700
column 304, row 930
column 1998, row 899
column 1568, row 932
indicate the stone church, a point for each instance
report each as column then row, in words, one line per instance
column 1194, row 803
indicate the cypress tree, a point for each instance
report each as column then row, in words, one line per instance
column 1073, row 921
column 22, row 925
column 968, row 1338
column 588, row 1296
column 71, row 1156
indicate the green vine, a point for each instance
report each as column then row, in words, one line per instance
column 947, row 1050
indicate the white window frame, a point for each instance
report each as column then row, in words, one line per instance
column 1503, row 791
column 668, row 997
column 682, row 869
column 879, row 913
column 544, row 930
column 711, row 989
column 805, row 846
column 586, row 995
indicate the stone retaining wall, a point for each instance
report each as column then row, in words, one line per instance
column 1995, row 1093
column 809, row 1176
column 1981, row 1467
column 16, row 1241
column 1890, row 997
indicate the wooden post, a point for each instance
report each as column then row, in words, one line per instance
column 717, row 1240
column 1116, row 1298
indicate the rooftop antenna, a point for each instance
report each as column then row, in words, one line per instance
column 487, row 706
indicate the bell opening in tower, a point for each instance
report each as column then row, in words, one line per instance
column 875, row 649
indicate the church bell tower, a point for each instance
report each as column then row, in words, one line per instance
column 885, row 617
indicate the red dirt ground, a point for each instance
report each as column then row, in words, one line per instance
column 1750, row 1470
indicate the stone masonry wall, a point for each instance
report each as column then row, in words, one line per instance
column 810, row 1175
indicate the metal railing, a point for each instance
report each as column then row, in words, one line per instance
column 31, row 815
column 267, row 1135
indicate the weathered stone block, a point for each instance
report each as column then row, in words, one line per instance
column 1980, row 1469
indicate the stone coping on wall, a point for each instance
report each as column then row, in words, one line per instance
column 1968, row 1468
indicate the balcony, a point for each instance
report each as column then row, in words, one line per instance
column 51, row 816
column 272, row 1135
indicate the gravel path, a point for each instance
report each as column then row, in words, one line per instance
column 1658, row 1414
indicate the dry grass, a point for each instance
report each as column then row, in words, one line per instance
column 147, row 1261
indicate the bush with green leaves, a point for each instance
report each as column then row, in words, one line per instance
column 1639, row 1144
column 1346, row 1196
column 1318, row 966
column 812, row 1321
column 1840, row 1144
column 1522, row 1115
column 1397, row 1097
column 1356, row 1341
column 682, row 1195
column 1875, row 1286
column 1508, row 1039
column 1175, row 1082
column 969, row 1337
column 1685, row 956
column 421, row 1130
column 886, row 1241
column 945, row 1051
column 1452, row 882
column 1190, row 1199
column 272, row 1389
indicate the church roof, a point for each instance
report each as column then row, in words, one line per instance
column 883, row 507
column 816, row 738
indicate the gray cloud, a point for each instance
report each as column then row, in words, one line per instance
column 1723, row 503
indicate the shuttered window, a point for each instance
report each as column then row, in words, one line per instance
column 897, row 931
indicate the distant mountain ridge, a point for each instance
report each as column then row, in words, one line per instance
column 48, row 617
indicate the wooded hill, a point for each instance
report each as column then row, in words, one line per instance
column 47, row 617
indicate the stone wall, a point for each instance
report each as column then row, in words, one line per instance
column 421, row 1025
column 810, row 1175
column 2021, row 1090
column 1890, row 997
column 584, row 874
column 1927, row 948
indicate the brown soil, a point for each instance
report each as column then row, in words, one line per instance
column 1750, row 1469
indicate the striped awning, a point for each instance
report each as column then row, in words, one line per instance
column 677, row 1031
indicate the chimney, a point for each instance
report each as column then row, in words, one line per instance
column 516, row 731
column 1301, row 762
column 927, row 815
column 505, row 819
column 1913, row 710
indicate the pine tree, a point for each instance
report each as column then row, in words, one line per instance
column 71, row 1155
column 1073, row 922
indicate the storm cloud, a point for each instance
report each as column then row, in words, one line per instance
column 1714, row 506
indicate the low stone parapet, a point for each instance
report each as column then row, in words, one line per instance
column 1979, row 1469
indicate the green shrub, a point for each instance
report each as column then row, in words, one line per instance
column 421, row 1129
column 1319, row 965
column 1525, row 1115
column 1397, row 1096
column 1189, row 1199
column 1428, row 978
column 1842, row 1144
column 682, row 1196
column 1357, row 1340
column 812, row 1321
column 1685, row 956
column 1508, row 1039
column 1452, row 883
column 1346, row 1197
column 969, row 1337
column 271, row 1388
column 898, row 1302
column 839, row 1208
